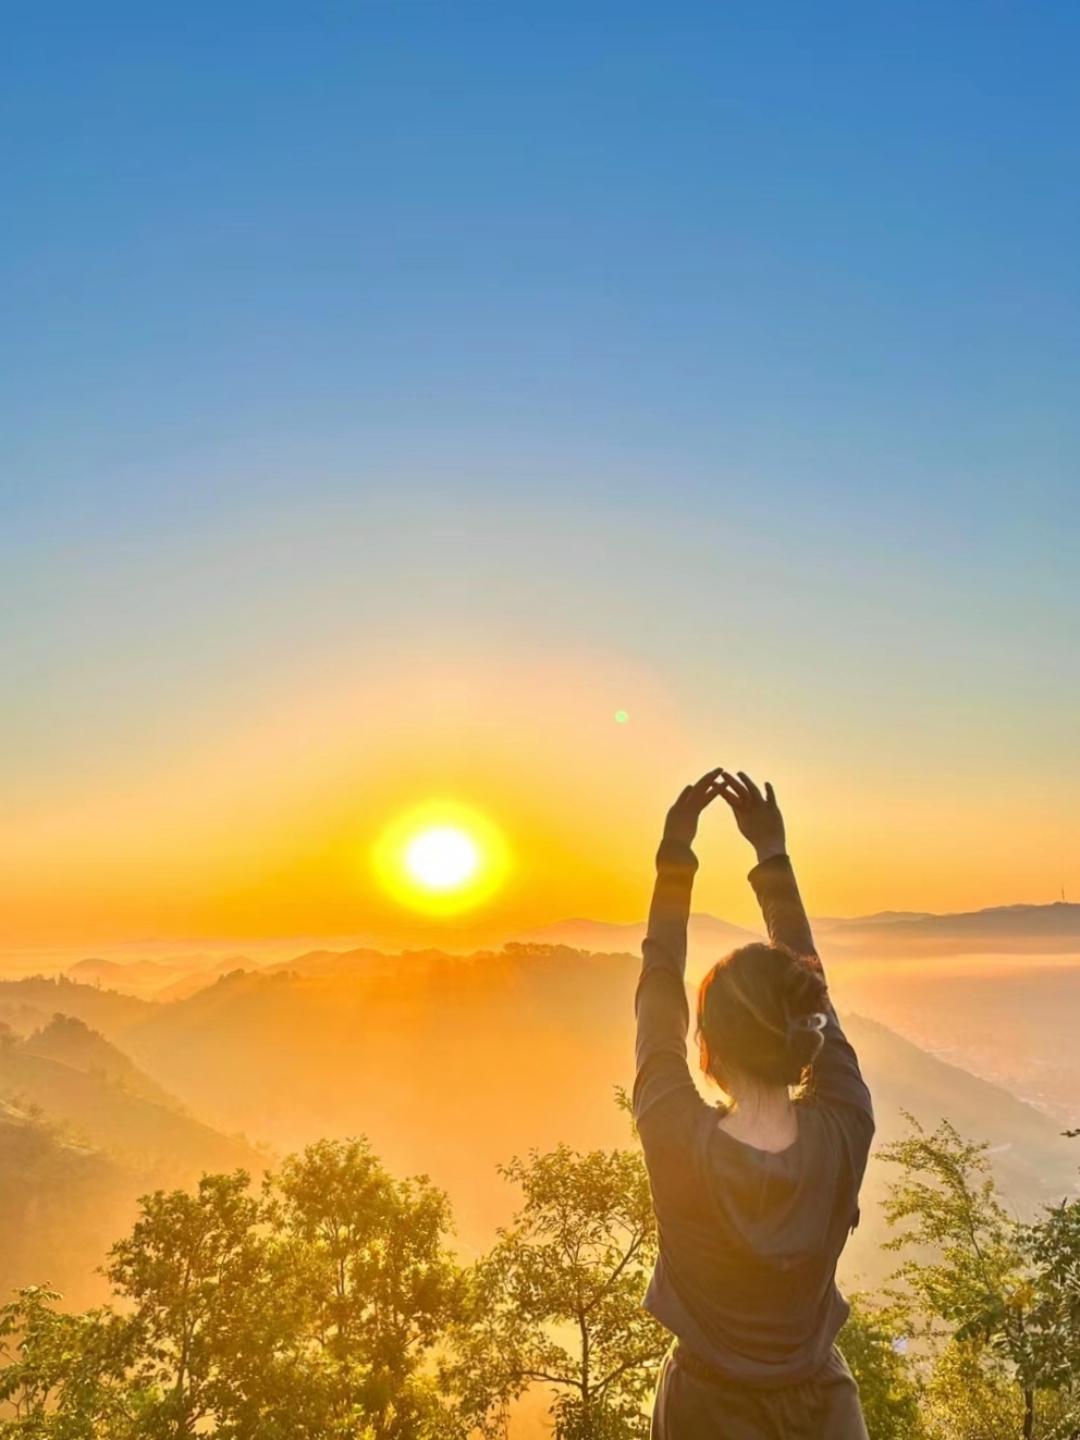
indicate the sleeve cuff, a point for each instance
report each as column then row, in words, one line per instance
column 774, row 866
column 675, row 855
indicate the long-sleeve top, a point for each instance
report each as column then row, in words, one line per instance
column 749, row 1239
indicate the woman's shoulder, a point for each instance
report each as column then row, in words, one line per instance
column 841, row 1130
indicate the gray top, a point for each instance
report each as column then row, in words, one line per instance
column 749, row 1239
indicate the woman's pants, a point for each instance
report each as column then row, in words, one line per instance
column 695, row 1402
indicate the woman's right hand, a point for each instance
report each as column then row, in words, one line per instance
column 757, row 816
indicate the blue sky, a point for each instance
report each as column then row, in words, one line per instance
column 837, row 240
column 641, row 329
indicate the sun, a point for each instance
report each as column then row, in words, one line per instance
column 442, row 858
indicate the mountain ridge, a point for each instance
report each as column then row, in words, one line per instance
column 1022, row 927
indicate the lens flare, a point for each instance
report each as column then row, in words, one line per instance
column 442, row 858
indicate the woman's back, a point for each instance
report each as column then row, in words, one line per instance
column 749, row 1240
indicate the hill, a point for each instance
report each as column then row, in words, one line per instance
column 1011, row 1020
column 111, row 1106
column 1034, row 1163
column 30, row 1004
column 1021, row 930
column 83, row 1133
column 1024, row 928
column 61, row 1206
column 72, row 1043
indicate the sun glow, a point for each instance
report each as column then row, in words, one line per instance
column 442, row 859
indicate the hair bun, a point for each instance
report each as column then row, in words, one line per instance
column 803, row 998
column 763, row 1010
column 802, row 989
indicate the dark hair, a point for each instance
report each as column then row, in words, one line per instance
column 761, row 1010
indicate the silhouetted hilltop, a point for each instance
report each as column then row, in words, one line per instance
column 72, row 1043
column 705, row 932
column 328, row 964
column 83, row 1133
column 30, row 1004
column 110, row 1107
column 62, row 1205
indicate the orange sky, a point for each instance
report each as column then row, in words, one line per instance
column 261, row 822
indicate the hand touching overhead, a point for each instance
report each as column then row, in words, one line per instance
column 682, row 818
column 757, row 816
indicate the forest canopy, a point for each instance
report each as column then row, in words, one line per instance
column 328, row 1300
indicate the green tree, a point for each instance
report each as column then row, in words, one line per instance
column 62, row 1375
column 219, row 1326
column 385, row 1287
column 998, row 1301
column 875, row 1347
column 313, row 1310
column 970, row 1394
column 558, row 1299
column 1053, row 1248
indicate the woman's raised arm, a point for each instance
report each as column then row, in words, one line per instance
column 760, row 821
column 838, row 1080
column 662, row 1081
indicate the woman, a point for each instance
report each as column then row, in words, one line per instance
column 754, row 1200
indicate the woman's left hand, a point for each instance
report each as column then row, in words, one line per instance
column 682, row 818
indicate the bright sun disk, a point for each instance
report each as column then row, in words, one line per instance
column 442, row 858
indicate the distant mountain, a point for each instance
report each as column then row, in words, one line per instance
column 706, row 933
column 1027, row 927
column 825, row 923
column 176, row 974
column 168, row 979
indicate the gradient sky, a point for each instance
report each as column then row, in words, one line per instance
column 390, row 393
